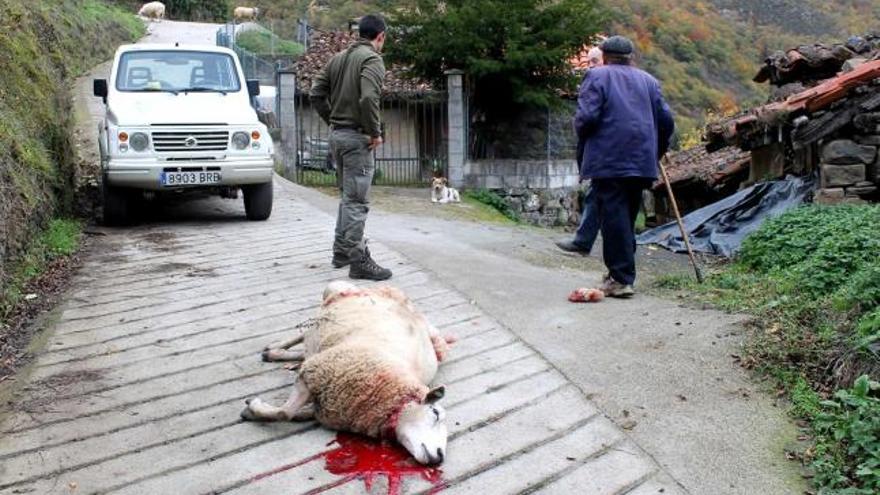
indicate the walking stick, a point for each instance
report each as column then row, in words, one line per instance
column 684, row 233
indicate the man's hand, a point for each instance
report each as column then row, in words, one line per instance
column 375, row 142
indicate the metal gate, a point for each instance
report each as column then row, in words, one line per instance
column 414, row 149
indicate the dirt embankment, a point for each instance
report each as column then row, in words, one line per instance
column 46, row 45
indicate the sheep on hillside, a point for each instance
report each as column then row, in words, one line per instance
column 246, row 13
column 369, row 357
column 153, row 10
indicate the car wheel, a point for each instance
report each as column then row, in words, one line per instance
column 117, row 205
column 258, row 201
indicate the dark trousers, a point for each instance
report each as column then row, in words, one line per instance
column 588, row 229
column 618, row 201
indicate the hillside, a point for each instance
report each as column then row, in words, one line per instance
column 704, row 51
column 43, row 47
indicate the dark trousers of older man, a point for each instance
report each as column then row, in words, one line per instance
column 618, row 201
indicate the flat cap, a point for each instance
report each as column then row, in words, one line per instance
column 617, row 45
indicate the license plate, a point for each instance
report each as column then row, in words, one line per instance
column 189, row 178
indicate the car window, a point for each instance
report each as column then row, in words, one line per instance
column 176, row 70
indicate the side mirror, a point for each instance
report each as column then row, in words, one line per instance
column 253, row 87
column 99, row 88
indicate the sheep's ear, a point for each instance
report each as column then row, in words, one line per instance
column 435, row 394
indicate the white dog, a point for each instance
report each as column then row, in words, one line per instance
column 441, row 193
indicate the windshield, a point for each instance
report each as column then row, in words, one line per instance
column 176, row 71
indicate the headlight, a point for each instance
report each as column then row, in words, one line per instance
column 240, row 140
column 139, row 141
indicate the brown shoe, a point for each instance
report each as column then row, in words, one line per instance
column 613, row 288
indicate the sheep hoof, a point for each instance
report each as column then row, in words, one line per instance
column 248, row 401
column 265, row 356
column 248, row 415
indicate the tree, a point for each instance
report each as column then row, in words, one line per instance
column 197, row 10
column 515, row 52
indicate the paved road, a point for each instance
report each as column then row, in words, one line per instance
column 154, row 349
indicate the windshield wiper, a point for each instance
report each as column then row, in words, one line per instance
column 156, row 90
column 203, row 89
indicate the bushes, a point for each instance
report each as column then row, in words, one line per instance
column 847, row 457
column 812, row 276
column 489, row 198
column 197, row 10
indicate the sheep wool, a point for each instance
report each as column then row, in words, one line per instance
column 355, row 390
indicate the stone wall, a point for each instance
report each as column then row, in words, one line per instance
column 850, row 168
column 541, row 192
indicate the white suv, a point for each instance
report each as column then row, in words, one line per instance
column 177, row 118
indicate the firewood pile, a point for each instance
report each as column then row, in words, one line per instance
column 322, row 47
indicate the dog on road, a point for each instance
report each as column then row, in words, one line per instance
column 442, row 193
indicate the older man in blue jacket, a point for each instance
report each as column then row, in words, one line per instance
column 627, row 127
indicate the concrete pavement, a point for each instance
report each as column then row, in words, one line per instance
column 156, row 346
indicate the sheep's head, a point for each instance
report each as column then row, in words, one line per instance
column 337, row 287
column 421, row 428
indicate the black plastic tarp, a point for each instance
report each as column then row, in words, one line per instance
column 720, row 228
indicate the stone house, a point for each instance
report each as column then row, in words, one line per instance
column 826, row 120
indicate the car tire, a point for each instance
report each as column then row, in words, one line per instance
column 117, row 205
column 258, row 201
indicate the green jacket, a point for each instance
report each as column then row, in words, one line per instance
column 348, row 91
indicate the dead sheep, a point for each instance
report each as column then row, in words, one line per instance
column 369, row 358
column 153, row 10
column 246, row 13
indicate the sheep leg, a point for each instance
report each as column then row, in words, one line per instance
column 285, row 344
column 274, row 355
column 257, row 410
column 306, row 413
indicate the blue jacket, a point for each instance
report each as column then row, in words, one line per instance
column 623, row 123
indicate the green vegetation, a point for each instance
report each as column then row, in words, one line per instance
column 45, row 45
column 268, row 43
column 515, row 52
column 847, row 457
column 61, row 238
column 812, row 279
column 489, row 198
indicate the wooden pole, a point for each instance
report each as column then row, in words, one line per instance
column 684, row 233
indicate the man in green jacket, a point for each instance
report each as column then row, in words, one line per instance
column 346, row 94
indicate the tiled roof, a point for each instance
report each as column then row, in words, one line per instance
column 822, row 96
column 698, row 165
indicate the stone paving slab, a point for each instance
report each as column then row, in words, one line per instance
column 140, row 384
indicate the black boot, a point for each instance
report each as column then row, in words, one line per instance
column 363, row 267
column 340, row 260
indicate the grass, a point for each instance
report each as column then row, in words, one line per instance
column 44, row 46
column 60, row 239
column 811, row 278
column 494, row 201
column 268, row 43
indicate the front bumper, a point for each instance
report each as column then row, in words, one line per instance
column 144, row 173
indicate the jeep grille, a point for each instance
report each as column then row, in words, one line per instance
column 190, row 141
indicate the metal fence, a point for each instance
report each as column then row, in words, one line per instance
column 414, row 149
